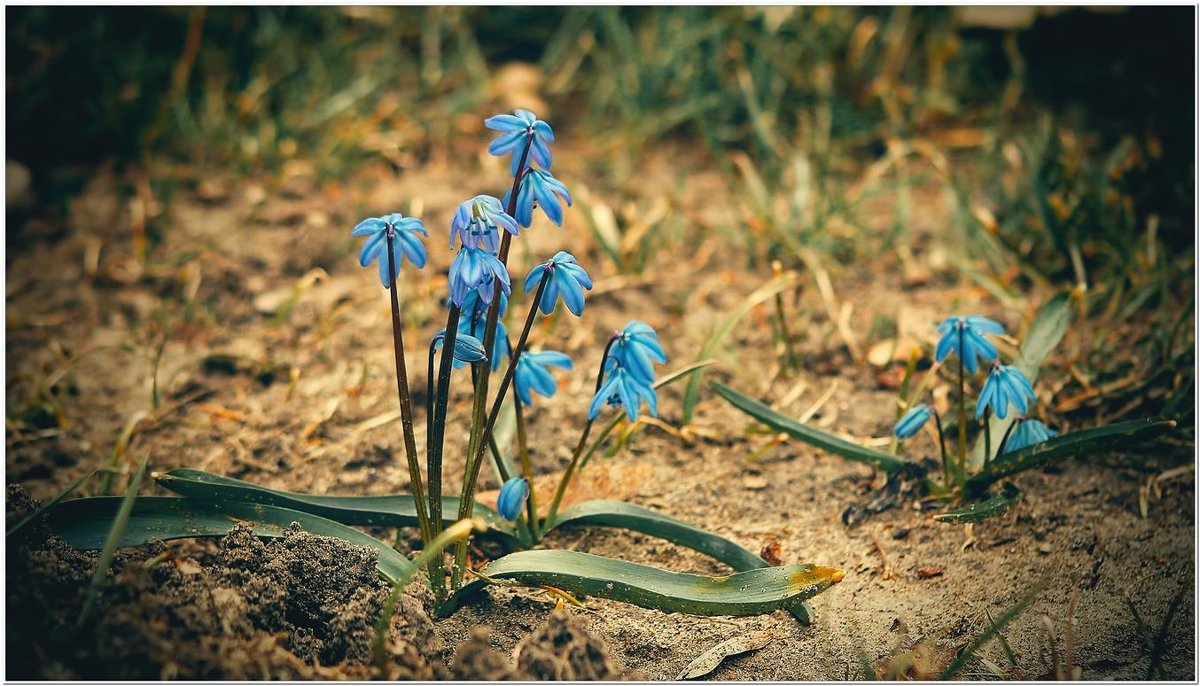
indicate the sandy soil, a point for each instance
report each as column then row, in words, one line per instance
column 281, row 375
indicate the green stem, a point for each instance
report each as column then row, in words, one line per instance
column 535, row 531
column 587, row 429
column 437, row 577
column 482, row 431
column 987, row 437
column 937, row 418
column 406, row 420
column 962, row 415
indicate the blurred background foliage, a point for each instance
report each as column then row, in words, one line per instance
column 1062, row 138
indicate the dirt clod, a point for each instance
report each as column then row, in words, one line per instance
column 563, row 650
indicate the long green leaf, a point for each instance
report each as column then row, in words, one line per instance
column 765, row 292
column 825, row 441
column 1100, row 439
column 975, row 512
column 1045, row 332
column 746, row 593
column 85, row 522
column 617, row 514
column 359, row 510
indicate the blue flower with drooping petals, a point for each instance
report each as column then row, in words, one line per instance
column 1028, row 432
column 1005, row 384
column 512, row 498
column 539, row 188
column 514, row 132
column 636, row 347
column 964, row 336
column 532, row 374
column 467, row 348
column 402, row 232
column 478, row 221
column 623, row 389
column 473, row 270
column 567, row 280
column 912, row 421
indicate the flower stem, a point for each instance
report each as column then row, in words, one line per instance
column 937, row 418
column 437, row 443
column 410, row 442
column 535, row 531
column 482, row 431
column 575, row 455
column 987, row 436
column 961, row 471
column 1007, row 433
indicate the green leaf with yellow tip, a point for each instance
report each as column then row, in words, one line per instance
column 821, row 439
column 85, row 523
column 754, row 592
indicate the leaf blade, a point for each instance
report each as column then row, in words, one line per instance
column 823, row 440
column 83, row 523
column 746, row 593
column 976, row 512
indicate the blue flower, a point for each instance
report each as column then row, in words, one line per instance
column 467, row 348
column 567, row 280
column 514, row 130
column 476, row 221
column 402, row 231
column 912, row 421
column 532, row 374
column 964, row 336
column 636, row 347
column 512, row 498
column 473, row 270
column 540, row 188
column 623, row 389
column 472, row 306
column 1005, row 384
column 1028, row 432
column 474, row 325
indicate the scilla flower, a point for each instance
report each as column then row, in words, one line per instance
column 514, row 131
column 623, row 389
column 402, row 232
column 912, row 421
column 542, row 188
column 474, row 269
column 567, row 280
column 512, row 498
column 1005, row 384
column 478, row 220
column 467, row 348
column 1028, row 432
column 964, row 337
column 636, row 347
column 533, row 374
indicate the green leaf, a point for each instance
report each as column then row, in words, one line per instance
column 975, row 512
column 768, row 290
column 359, row 510
column 825, row 441
column 617, row 514
column 1088, row 441
column 746, row 593
column 85, row 522
column 1047, row 330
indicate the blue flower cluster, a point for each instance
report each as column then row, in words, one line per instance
column 539, row 188
column 628, row 379
column 1005, row 384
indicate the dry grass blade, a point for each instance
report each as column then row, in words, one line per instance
column 114, row 539
column 993, row 630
